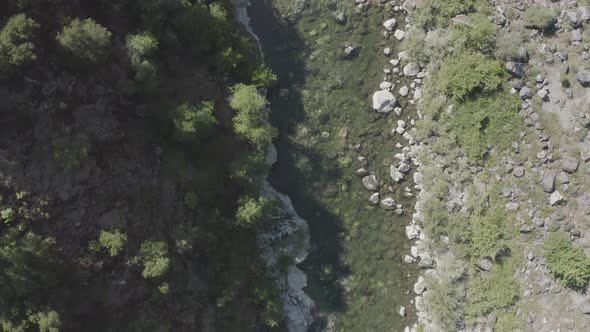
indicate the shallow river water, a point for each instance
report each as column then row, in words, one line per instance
column 327, row 130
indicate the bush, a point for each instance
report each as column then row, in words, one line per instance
column 113, row 242
column 489, row 234
column 263, row 77
column 194, row 121
column 140, row 46
column 154, row 256
column 69, row 153
column 479, row 35
column 191, row 200
column 432, row 13
column 496, row 291
column 540, row 17
column 567, row 261
column 46, row 321
column 146, row 75
column 488, row 120
column 249, row 168
column 444, row 303
column 469, row 73
column 507, row 44
column 251, row 122
column 253, row 211
column 16, row 46
column 85, row 39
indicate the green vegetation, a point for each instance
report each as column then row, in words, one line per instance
column 85, row 39
column 540, row 17
column 567, row 261
column 154, row 257
column 252, row 121
column 444, row 301
column 140, row 46
column 113, row 242
column 70, row 153
column 252, row 212
column 479, row 35
column 469, row 73
column 490, row 235
column 495, row 291
column 194, row 121
column 127, row 105
column 16, row 40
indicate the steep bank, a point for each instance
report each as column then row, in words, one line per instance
column 287, row 236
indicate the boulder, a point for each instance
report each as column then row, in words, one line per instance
column 485, row 264
column 569, row 164
column 387, row 203
column 411, row 69
column 403, row 91
column 577, row 35
column 515, row 68
column 584, row 308
column 556, row 198
column 390, row 24
column 548, row 181
column 370, row 183
column 525, row 93
column 374, row 199
column 383, row 101
column 399, row 34
column 420, row 285
column 340, row 18
column 396, row 175
column 412, row 232
column 385, row 85
column 583, row 77
column 518, row 171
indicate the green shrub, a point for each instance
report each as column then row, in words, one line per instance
column 85, row 39
column 194, row 121
column 16, row 46
column 540, row 17
column 488, row 120
column 432, row 13
column 566, row 260
column 479, row 35
column 498, row 290
column 146, row 75
column 251, row 121
column 253, row 211
column 507, row 44
column 264, row 77
column 140, row 46
column 565, row 80
column 191, row 200
column 490, row 234
column 248, row 169
column 113, row 242
column 444, row 303
column 154, row 256
column 467, row 73
column 46, row 321
column 7, row 215
column 69, row 153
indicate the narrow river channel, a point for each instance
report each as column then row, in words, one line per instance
column 327, row 132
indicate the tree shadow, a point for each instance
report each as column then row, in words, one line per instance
column 284, row 50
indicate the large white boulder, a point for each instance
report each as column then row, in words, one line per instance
column 383, row 101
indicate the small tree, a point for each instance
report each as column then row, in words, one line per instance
column 154, row 257
column 85, row 39
column 112, row 241
column 253, row 211
column 140, row 46
column 47, row 321
column 566, row 261
column 16, row 46
column 264, row 77
column 251, row 122
column 194, row 120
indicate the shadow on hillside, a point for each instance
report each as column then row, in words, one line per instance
column 284, row 49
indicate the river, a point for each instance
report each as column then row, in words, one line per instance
column 355, row 271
